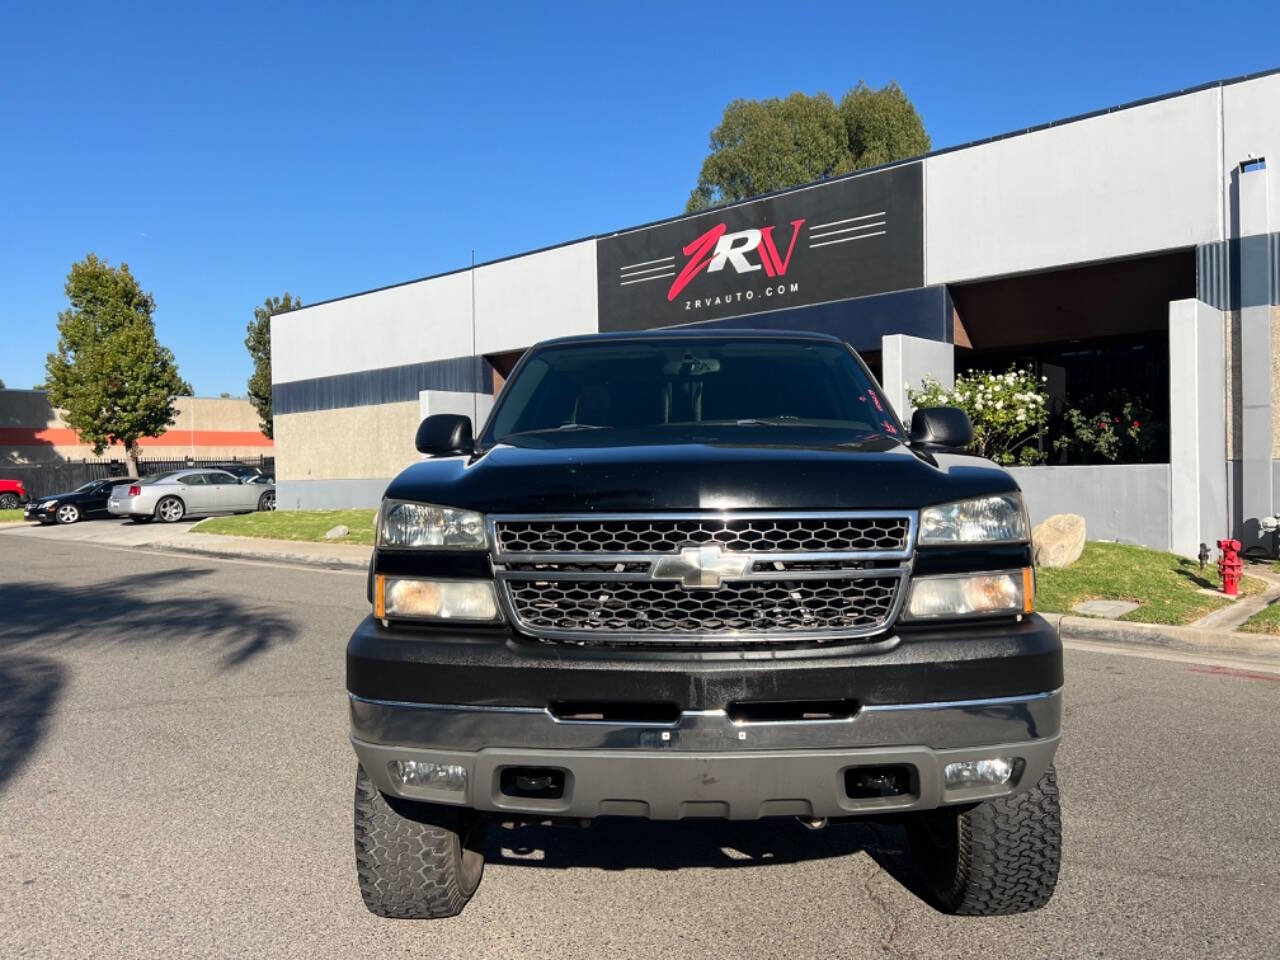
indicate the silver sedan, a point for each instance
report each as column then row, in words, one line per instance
column 169, row 497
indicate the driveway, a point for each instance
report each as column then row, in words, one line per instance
column 110, row 532
column 175, row 781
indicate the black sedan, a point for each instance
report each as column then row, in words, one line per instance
column 83, row 503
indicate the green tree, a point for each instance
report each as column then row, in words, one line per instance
column 114, row 380
column 764, row 145
column 882, row 126
column 259, row 343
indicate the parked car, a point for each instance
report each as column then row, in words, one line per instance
column 704, row 574
column 199, row 492
column 242, row 472
column 85, row 502
column 12, row 494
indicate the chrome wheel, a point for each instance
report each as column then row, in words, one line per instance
column 267, row 501
column 170, row 510
column 68, row 513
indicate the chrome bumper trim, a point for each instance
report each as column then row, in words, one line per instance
column 938, row 725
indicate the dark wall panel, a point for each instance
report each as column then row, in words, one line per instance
column 844, row 238
column 388, row 385
column 924, row 312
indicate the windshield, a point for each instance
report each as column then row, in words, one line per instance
column 682, row 383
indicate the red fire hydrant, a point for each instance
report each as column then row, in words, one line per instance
column 1229, row 566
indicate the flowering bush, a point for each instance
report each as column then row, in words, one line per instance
column 1009, row 411
column 1116, row 427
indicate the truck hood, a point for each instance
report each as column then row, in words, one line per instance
column 743, row 468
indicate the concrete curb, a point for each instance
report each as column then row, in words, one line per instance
column 272, row 551
column 1186, row 639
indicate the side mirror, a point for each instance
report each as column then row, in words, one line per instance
column 947, row 427
column 444, row 434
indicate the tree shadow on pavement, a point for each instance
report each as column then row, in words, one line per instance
column 622, row 844
column 165, row 607
column 160, row 609
column 29, row 688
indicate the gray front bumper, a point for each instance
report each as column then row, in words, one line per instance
column 704, row 764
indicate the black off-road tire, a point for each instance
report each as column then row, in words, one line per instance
column 415, row 861
column 996, row 858
column 9, row 501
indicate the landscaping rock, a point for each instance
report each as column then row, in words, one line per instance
column 336, row 533
column 1058, row 540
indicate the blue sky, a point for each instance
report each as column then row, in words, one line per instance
column 232, row 151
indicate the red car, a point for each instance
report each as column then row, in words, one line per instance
column 12, row 494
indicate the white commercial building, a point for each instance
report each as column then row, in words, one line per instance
column 1129, row 254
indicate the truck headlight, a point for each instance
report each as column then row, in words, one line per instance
column 971, row 594
column 405, row 524
column 992, row 519
column 409, row 597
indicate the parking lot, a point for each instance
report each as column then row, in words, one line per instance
column 107, row 531
column 175, row 780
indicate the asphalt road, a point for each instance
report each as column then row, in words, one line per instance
column 175, row 781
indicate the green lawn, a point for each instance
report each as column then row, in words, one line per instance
column 1167, row 586
column 294, row 525
column 1265, row 621
column 10, row 516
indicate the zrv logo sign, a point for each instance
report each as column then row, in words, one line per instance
column 768, row 254
column 732, row 248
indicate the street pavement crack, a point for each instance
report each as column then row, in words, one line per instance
column 887, row 940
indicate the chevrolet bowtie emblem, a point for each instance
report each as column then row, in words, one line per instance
column 701, row 566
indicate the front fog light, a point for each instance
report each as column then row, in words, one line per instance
column 433, row 776
column 979, row 773
column 435, row 599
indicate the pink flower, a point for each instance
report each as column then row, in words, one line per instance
column 1136, row 424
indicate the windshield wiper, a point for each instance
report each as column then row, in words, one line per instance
column 563, row 428
column 782, row 421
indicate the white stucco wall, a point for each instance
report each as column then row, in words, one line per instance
column 532, row 298
column 411, row 323
column 1251, row 125
column 1133, row 181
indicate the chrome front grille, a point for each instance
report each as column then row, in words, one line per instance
column 652, row 609
column 703, row 578
column 738, row 534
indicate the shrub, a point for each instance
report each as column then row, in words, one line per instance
column 1009, row 411
column 1112, row 428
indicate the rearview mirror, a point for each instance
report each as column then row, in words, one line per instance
column 946, row 427
column 445, row 434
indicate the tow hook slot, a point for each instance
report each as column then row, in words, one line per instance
column 873, row 783
column 537, row 783
column 607, row 711
column 791, row 711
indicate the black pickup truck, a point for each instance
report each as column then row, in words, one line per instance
column 703, row 574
